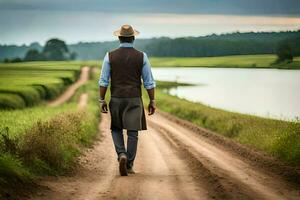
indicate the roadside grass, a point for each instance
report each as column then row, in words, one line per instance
column 51, row 146
column 28, row 84
column 19, row 120
column 278, row 138
column 48, row 147
column 43, row 140
column 11, row 170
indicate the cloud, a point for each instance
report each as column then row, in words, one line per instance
column 236, row 7
column 94, row 20
column 24, row 26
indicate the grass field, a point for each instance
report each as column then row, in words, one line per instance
column 245, row 61
column 27, row 84
column 43, row 140
column 19, row 120
column 240, row 61
column 278, row 138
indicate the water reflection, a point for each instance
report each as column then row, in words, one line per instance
column 264, row 92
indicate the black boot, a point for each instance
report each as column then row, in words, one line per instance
column 123, row 164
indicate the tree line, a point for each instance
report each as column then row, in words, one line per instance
column 287, row 49
column 285, row 44
column 213, row 45
column 54, row 50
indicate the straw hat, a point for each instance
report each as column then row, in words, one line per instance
column 126, row 31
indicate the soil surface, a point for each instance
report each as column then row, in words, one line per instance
column 84, row 76
column 173, row 162
column 83, row 100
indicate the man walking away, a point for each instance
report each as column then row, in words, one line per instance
column 125, row 67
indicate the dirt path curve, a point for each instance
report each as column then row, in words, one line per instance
column 172, row 163
column 84, row 76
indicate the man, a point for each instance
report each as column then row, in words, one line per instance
column 125, row 67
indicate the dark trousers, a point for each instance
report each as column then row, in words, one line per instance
column 132, row 141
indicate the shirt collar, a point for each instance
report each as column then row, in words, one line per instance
column 126, row 44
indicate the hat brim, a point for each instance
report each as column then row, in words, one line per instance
column 118, row 33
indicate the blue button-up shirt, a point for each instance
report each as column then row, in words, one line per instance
column 147, row 76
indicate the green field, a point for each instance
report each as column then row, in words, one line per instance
column 245, row 61
column 241, row 61
column 43, row 140
column 278, row 138
column 28, row 84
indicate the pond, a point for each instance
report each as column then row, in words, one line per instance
column 269, row 93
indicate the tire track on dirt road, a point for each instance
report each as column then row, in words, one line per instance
column 160, row 174
column 238, row 178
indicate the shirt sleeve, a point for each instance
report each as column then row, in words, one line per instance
column 105, row 72
column 147, row 76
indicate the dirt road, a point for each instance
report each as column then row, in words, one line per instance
column 173, row 162
column 84, row 76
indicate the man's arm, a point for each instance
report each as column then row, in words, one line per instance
column 102, row 91
column 151, row 94
column 149, row 84
column 151, row 106
column 104, row 82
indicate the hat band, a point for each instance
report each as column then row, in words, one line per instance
column 126, row 33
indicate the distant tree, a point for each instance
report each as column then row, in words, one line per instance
column 56, row 49
column 294, row 43
column 284, row 52
column 15, row 60
column 33, row 55
column 73, row 56
column 35, row 45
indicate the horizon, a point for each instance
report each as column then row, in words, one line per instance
column 137, row 38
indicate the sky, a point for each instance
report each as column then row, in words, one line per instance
column 26, row 21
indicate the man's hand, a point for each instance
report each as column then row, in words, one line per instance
column 151, row 107
column 103, row 106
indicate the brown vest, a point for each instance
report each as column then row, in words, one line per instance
column 126, row 69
